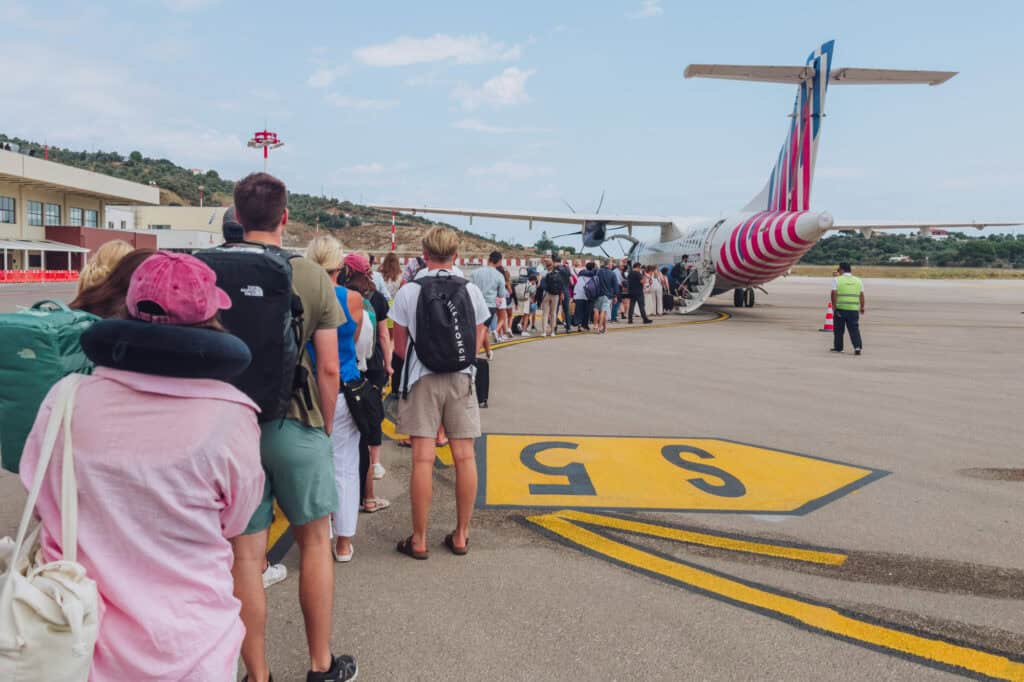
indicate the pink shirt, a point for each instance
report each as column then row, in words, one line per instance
column 168, row 469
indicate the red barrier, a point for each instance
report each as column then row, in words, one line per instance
column 33, row 276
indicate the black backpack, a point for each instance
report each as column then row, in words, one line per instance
column 267, row 315
column 445, row 325
column 553, row 283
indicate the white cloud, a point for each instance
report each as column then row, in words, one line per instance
column 360, row 104
column 648, row 9
column 94, row 112
column 325, row 75
column 439, row 47
column 840, row 172
column 481, row 127
column 372, row 174
column 510, row 170
column 505, row 89
column 189, row 5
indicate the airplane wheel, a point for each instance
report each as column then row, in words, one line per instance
column 750, row 298
column 739, row 297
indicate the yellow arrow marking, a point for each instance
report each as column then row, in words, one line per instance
column 812, row 556
column 815, row 616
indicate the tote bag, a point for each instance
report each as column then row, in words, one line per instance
column 48, row 612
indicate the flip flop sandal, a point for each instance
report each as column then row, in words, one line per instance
column 449, row 542
column 405, row 547
column 378, row 503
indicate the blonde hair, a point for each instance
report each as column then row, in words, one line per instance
column 103, row 263
column 326, row 251
column 441, row 243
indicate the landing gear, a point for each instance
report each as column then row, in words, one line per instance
column 743, row 298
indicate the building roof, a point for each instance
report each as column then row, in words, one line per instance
column 49, row 175
column 39, row 245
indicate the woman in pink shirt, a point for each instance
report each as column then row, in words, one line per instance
column 168, row 470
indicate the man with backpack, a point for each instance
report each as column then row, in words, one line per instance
column 609, row 287
column 279, row 303
column 439, row 325
column 552, row 288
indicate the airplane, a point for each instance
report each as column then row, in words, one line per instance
column 763, row 240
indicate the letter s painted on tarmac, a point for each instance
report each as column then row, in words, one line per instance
column 579, row 480
column 730, row 487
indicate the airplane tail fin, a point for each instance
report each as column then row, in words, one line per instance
column 789, row 185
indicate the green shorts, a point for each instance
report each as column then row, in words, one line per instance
column 299, row 467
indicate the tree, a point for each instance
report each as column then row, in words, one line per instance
column 136, row 157
column 544, row 244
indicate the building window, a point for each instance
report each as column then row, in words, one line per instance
column 35, row 260
column 124, row 225
column 159, row 227
column 75, row 216
column 110, row 224
column 92, row 218
column 52, row 214
column 35, row 213
column 7, row 213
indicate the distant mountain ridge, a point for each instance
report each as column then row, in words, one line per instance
column 358, row 227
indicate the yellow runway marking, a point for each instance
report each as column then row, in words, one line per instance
column 813, row 556
column 444, row 455
column 819, row 617
column 677, row 474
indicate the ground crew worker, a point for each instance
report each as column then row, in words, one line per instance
column 848, row 303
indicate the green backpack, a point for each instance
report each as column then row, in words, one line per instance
column 38, row 347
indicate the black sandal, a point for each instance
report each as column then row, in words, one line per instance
column 449, row 542
column 405, row 547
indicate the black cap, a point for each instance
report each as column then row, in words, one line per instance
column 231, row 228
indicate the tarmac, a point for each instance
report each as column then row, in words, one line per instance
column 888, row 548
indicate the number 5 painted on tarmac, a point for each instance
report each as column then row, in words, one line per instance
column 579, row 480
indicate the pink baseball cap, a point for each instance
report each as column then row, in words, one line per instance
column 183, row 286
column 358, row 262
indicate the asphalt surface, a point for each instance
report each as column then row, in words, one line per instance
column 933, row 548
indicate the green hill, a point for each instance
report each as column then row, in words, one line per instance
column 181, row 187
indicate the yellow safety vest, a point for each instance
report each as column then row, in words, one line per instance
column 848, row 289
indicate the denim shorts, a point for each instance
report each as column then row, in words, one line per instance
column 602, row 304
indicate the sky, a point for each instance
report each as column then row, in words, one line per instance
column 526, row 104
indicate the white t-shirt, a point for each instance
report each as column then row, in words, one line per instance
column 403, row 312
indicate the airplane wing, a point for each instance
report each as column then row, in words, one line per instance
column 868, row 226
column 564, row 218
column 798, row 74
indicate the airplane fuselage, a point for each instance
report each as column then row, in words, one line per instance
column 744, row 249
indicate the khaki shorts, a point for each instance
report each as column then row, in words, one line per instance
column 441, row 398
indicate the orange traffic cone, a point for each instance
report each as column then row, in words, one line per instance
column 828, row 318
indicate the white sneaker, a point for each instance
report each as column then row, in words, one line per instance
column 378, row 471
column 274, row 574
column 525, row 333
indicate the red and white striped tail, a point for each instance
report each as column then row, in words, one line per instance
column 828, row 318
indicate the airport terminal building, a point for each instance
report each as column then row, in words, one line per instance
column 50, row 213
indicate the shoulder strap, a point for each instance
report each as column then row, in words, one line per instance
column 63, row 406
column 408, row 351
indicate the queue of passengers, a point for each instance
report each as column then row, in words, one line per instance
column 581, row 300
column 179, row 462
